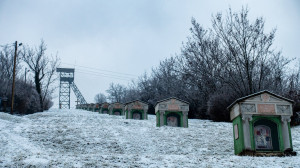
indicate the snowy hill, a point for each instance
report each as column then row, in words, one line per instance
column 75, row 138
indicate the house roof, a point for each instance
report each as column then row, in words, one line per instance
column 135, row 101
column 116, row 103
column 258, row 93
column 171, row 98
column 104, row 103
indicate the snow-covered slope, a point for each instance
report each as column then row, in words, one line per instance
column 75, row 138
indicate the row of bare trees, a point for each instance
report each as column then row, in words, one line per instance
column 233, row 58
column 33, row 94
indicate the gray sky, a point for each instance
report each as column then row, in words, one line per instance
column 128, row 37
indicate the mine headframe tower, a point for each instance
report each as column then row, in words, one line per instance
column 66, row 76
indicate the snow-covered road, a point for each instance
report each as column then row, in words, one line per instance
column 76, row 138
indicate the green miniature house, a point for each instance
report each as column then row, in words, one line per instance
column 79, row 106
column 104, row 108
column 85, row 106
column 90, row 107
column 82, row 106
column 136, row 110
column 261, row 125
column 96, row 107
column 116, row 109
column 172, row 112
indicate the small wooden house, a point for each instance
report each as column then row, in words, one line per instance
column 104, row 108
column 116, row 109
column 172, row 112
column 261, row 125
column 136, row 110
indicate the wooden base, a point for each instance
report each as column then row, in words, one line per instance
column 287, row 152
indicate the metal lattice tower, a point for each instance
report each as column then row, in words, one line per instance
column 66, row 76
column 78, row 94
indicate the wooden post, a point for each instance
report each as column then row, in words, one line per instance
column 77, row 101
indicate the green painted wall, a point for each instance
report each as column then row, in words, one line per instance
column 158, row 119
column 239, row 145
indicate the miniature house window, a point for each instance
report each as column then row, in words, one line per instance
column 248, row 108
column 283, row 109
column 236, row 131
column 173, row 120
column 263, row 137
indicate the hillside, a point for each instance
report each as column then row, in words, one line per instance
column 75, row 138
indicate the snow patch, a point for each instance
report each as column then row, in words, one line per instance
column 76, row 138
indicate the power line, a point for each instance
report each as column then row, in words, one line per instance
column 7, row 45
column 95, row 72
column 125, row 74
column 101, row 75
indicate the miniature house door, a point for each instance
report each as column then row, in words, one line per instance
column 266, row 135
column 173, row 120
column 136, row 115
column 117, row 112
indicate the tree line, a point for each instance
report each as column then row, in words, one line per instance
column 233, row 58
column 35, row 75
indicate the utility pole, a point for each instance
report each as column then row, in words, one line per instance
column 26, row 74
column 14, row 76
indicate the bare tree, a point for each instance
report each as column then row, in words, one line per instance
column 116, row 93
column 247, row 52
column 235, row 54
column 26, row 97
column 43, row 68
column 100, row 98
column 6, row 68
column 131, row 92
column 234, row 58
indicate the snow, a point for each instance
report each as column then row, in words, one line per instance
column 77, row 138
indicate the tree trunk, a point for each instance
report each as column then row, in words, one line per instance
column 38, row 89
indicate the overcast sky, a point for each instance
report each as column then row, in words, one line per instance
column 118, row 40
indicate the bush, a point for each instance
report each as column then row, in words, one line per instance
column 295, row 96
column 217, row 107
